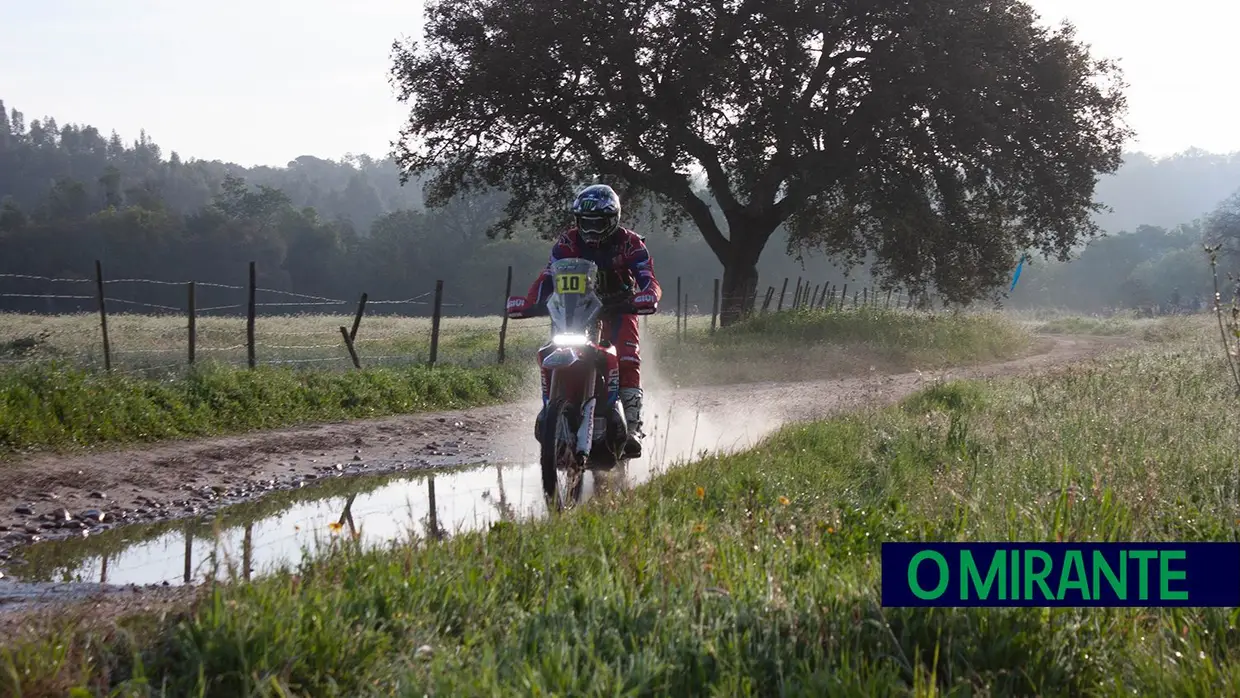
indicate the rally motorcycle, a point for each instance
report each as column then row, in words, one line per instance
column 582, row 423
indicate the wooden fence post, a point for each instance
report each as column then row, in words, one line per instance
column 192, row 312
column 249, row 321
column 503, row 328
column 843, row 295
column 714, row 308
column 685, row 319
column 348, row 344
column 854, row 299
column 103, row 316
column 766, row 303
column 796, row 295
column 679, row 309
column 865, row 296
column 351, row 334
column 888, row 298
column 780, row 306
column 357, row 318
column 435, row 321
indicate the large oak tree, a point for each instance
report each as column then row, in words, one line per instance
column 945, row 137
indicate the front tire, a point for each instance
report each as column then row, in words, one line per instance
column 558, row 445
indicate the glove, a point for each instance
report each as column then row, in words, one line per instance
column 517, row 305
column 644, row 303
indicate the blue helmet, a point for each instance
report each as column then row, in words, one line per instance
column 597, row 209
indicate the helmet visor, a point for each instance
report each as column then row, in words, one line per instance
column 595, row 227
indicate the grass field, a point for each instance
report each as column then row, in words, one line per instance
column 1120, row 324
column 142, row 343
column 757, row 573
column 51, row 407
column 55, row 397
column 805, row 345
column 158, row 345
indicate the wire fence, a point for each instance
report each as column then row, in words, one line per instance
column 251, row 325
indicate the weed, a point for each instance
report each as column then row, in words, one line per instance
column 758, row 573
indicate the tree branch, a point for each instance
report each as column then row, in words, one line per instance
column 782, row 163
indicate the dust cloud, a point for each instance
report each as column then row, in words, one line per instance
column 685, row 424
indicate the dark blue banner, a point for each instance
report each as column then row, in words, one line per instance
column 1061, row 574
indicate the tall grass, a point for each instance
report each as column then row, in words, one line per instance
column 757, row 573
column 63, row 403
column 1101, row 326
column 47, row 405
column 810, row 344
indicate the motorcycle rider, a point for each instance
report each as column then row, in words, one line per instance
column 625, row 266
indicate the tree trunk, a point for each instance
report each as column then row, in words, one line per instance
column 738, row 253
column 739, row 288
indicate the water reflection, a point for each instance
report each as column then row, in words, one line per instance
column 259, row 537
column 272, row 531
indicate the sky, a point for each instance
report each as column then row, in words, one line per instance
column 261, row 82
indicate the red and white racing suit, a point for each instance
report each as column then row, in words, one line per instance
column 622, row 260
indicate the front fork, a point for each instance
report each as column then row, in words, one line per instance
column 608, row 364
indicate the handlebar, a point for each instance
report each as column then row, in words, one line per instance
column 622, row 307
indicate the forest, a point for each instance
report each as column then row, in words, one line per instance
column 69, row 195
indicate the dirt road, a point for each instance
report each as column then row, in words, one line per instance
column 55, row 496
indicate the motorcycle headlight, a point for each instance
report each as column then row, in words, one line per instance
column 569, row 340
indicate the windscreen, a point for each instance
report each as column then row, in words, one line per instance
column 574, row 305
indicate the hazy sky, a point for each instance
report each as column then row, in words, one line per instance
column 263, row 81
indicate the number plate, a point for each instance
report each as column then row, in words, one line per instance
column 570, row 283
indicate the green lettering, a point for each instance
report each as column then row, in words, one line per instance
column 1073, row 562
column 1143, row 588
column 1165, row 575
column 1015, row 575
column 1038, row 578
column 1120, row 584
column 969, row 572
column 944, row 576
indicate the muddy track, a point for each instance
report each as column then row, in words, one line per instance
column 194, row 478
column 57, row 496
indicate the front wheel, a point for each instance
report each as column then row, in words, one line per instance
column 558, row 447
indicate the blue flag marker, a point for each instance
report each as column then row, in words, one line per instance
column 1016, row 276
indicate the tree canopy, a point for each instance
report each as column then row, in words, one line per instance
column 942, row 138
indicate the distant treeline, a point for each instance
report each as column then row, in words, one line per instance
column 70, row 196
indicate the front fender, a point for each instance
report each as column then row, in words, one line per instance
column 562, row 357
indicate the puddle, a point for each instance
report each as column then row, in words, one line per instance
column 261, row 536
column 271, row 532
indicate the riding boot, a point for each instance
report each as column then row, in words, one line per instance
column 631, row 398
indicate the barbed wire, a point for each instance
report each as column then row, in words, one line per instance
column 275, row 349
column 310, row 298
column 142, row 304
column 45, row 278
column 307, row 361
column 335, row 345
column 44, row 295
